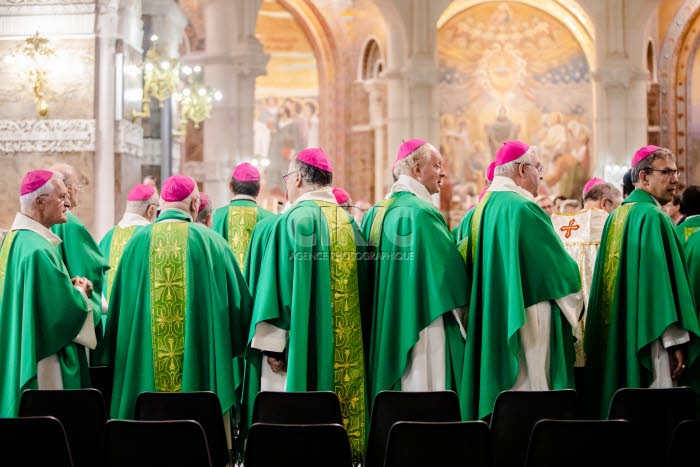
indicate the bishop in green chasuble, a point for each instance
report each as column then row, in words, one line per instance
column 179, row 309
column 236, row 221
column 307, row 326
column 641, row 314
column 419, row 278
column 524, row 291
column 42, row 338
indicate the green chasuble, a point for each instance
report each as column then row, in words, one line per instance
column 311, row 286
column 179, row 312
column 112, row 247
column 83, row 257
column 418, row 276
column 41, row 312
column 235, row 223
column 515, row 260
column 462, row 230
column 687, row 228
column 639, row 288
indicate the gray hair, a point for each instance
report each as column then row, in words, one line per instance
column 138, row 207
column 64, row 172
column 26, row 201
column 420, row 155
column 647, row 163
column 508, row 169
column 204, row 213
column 603, row 190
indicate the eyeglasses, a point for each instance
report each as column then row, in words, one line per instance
column 77, row 188
column 666, row 172
column 285, row 177
column 538, row 167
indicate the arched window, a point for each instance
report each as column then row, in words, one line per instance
column 372, row 62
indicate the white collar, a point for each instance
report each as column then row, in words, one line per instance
column 132, row 219
column 410, row 184
column 324, row 194
column 24, row 222
column 245, row 197
column 176, row 220
column 500, row 183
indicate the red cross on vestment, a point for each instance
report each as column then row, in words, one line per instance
column 568, row 228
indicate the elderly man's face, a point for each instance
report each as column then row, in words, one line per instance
column 431, row 173
column 530, row 180
column 546, row 204
column 54, row 206
column 662, row 180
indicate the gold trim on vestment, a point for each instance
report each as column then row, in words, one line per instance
column 168, row 266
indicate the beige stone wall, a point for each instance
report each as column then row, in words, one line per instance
column 13, row 167
column 70, row 95
column 70, row 90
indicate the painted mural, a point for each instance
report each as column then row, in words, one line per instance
column 286, row 99
column 512, row 71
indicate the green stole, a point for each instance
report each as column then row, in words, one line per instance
column 116, row 248
column 639, row 288
column 241, row 221
column 168, row 289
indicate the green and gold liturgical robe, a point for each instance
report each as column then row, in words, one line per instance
column 113, row 243
column 462, row 230
column 41, row 313
column 418, row 276
column 518, row 269
column 309, row 292
column 235, row 223
column 83, row 257
column 179, row 312
column 687, row 228
column 640, row 288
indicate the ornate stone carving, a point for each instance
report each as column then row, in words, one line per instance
column 30, row 7
column 47, row 135
column 128, row 138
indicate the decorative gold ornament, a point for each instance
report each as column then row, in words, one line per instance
column 196, row 99
column 36, row 52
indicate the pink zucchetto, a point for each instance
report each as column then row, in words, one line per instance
column 592, row 182
column 315, row 157
column 489, row 171
column 205, row 201
column 407, row 148
column 246, row 172
column 510, row 151
column 177, row 188
column 141, row 192
column 642, row 153
column 34, row 180
column 341, row 196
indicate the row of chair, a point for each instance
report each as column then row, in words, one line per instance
column 653, row 415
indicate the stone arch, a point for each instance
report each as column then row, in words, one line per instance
column 568, row 12
column 332, row 96
column 371, row 63
column 678, row 49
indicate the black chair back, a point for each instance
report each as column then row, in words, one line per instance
column 82, row 413
column 515, row 414
column 203, row 407
column 395, row 406
column 439, row 444
column 138, row 443
column 102, row 378
column 297, row 445
column 297, row 408
column 682, row 450
column 34, row 441
column 654, row 414
column 582, row 443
